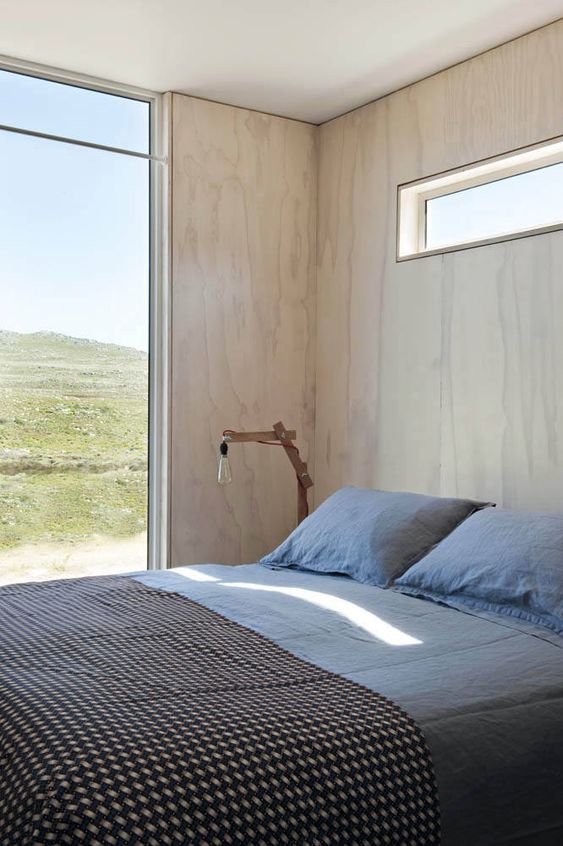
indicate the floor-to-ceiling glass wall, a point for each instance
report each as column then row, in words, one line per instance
column 74, row 330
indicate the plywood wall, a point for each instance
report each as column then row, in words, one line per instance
column 443, row 374
column 243, row 322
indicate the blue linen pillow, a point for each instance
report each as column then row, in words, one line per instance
column 500, row 561
column 372, row 536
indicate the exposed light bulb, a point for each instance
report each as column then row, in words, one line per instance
column 224, row 475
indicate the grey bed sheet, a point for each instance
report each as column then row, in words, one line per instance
column 487, row 693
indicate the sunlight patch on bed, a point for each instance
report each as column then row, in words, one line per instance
column 355, row 614
column 194, row 574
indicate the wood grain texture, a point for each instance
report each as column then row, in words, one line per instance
column 243, row 323
column 443, row 374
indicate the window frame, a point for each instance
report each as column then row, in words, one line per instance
column 412, row 197
column 158, row 521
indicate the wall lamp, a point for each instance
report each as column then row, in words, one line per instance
column 278, row 436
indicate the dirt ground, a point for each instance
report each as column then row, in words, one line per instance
column 96, row 557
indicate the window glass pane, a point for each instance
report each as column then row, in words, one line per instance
column 57, row 109
column 514, row 204
column 74, row 288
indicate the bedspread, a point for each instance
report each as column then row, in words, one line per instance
column 133, row 715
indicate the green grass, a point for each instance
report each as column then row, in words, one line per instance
column 73, row 439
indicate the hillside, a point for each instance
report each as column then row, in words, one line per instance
column 73, row 439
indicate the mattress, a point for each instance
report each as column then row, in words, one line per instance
column 487, row 692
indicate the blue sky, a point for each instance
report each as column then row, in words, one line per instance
column 517, row 203
column 74, row 229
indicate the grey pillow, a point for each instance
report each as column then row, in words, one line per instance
column 500, row 561
column 372, row 536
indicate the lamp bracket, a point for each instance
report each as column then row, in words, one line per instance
column 283, row 437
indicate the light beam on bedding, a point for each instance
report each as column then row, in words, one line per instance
column 355, row 614
column 194, row 574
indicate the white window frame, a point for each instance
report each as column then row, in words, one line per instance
column 159, row 293
column 412, row 197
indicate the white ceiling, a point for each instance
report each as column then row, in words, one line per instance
column 306, row 59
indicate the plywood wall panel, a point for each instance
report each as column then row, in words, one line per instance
column 442, row 374
column 503, row 374
column 243, row 314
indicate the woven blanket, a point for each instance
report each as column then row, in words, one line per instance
column 130, row 715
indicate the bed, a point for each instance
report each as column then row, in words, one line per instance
column 474, row 696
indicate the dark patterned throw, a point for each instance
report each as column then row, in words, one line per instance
column 130, row 715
